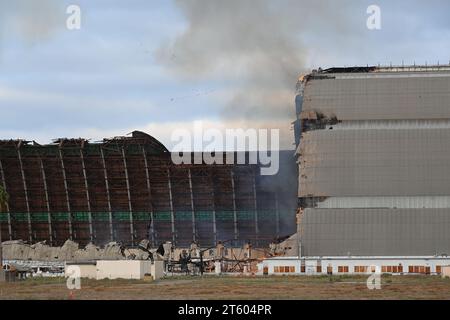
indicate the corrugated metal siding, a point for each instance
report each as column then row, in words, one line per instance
column 377, row 167
column 391, row 124
column 396, row 96
column 407, row 162
column 385, row 202
column 375, row 232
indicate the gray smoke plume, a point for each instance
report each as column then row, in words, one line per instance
column 31, row 20
column 256, row 44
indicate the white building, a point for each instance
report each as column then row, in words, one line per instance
column 352, row 265
column 116, row 269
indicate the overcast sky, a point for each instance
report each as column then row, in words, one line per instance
column 160, row 65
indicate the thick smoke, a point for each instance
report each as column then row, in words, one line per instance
column 255, row 45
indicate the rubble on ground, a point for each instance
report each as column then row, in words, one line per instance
column 70, row 251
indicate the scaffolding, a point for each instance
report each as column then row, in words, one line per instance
column 127, row 189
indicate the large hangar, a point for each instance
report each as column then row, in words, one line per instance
column 127, row 189
column 374, row 161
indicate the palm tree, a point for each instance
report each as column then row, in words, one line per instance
column 4, row 197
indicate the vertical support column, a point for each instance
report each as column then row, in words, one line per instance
column 2, row 172
column 236, row 234
column 25, row 188
column 130, row 207
column 211, row 172
column 192, row 205
column 108, row 196
column 149, row 189
column 88, row 198
column 277, row 215
column 172, row 213
column 66, row 188
column 47, row 202
column 255, row 203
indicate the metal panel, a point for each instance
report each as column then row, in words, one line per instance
column 375, row 232
column 409, row 162
column 376, row 97
column 385, row 202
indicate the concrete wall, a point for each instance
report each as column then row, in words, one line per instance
column 157, row 270
column 446, row 272
column 128, row 269
column 118, row 269
column 88, row 271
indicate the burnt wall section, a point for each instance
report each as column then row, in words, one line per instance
column 378, row 95
column 127, row 189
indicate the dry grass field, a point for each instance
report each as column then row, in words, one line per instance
column 230, row 287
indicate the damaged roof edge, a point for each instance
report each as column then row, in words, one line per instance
column 380, row 68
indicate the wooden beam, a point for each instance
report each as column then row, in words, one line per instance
column 236, row 232
column 88, row 198
column 108, row 196
column 47, row 202
column 149, row 190
column 277, row 214
column 2, row 172
column 66, row 188
column 130, row 207
column 192, row 205
column 25, row 188
column 255, row 204
column 211, row 179
column 172, row 213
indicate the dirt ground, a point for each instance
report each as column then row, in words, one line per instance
column 231, row 287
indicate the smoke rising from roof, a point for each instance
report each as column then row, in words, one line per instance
column 248, row 41
column 253, row 43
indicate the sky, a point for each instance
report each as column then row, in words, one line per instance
column 161, row 65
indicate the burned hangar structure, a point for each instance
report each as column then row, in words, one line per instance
column 126, row 189
column 374, row 161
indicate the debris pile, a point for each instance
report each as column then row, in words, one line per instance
column 70, row 251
